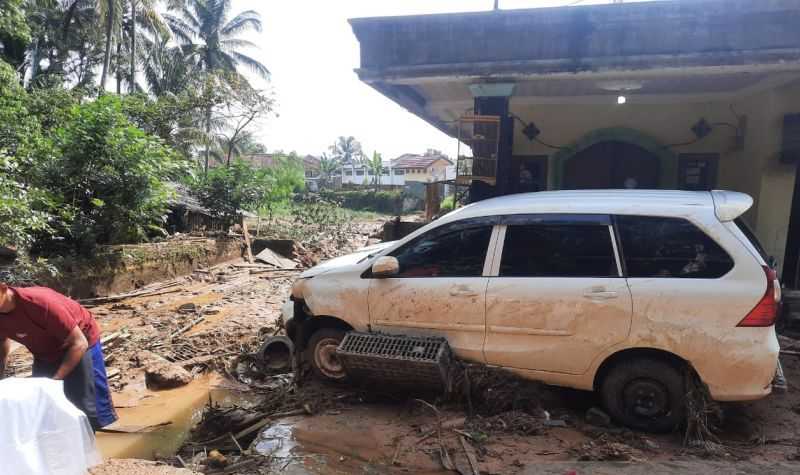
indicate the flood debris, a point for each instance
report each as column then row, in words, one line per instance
column 161, row 374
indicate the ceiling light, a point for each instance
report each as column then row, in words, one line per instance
column 621, row 100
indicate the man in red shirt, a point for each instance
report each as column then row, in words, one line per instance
column 65, row 341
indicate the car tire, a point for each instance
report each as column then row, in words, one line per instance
column 647, row 394
column 321, row 354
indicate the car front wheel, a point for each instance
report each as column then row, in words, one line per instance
column 646, row 394
column 321, row 353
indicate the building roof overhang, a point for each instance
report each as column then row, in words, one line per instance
column 662, row 50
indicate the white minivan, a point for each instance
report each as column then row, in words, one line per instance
column 615, row 291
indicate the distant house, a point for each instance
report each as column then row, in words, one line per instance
column 359, row 174
column 406, row 168
column 311, row 166
column 423, row 168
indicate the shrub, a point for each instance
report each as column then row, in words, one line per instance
column 448, row 204
column 389, row 202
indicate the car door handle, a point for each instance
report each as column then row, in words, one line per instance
column 601, row 295
column 462, row 292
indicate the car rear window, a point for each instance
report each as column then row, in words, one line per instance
column 751, row 236
column 560, row 250
column 670, row 248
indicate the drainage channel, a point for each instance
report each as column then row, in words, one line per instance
column 171, row 414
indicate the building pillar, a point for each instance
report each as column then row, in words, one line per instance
column 497, row 106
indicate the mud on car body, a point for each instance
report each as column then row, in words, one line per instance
column 614, row 291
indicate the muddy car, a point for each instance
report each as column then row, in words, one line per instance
column 619, row 292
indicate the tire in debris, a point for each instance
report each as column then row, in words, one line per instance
column 646, row 394
column 321, row 353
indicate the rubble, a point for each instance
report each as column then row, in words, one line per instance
column 597, row 417
column 161, row 374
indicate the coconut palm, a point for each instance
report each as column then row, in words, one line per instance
column 347, row 150
column 204, row 25
column 328, row 166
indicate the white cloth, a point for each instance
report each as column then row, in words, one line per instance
column 41, row 432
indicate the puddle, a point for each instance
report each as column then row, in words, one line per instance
column 181, row 408
column 331, row 444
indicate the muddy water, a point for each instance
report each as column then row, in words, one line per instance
column 180, row 409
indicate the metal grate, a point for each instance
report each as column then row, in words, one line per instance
column 386, row 346
column 414, row 362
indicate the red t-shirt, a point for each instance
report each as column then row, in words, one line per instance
column 43, row 319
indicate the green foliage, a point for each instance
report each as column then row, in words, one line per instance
column 111, row 174
column 448, row 203
column 389, row 202
column 228, row 190
column 14, row 30
column 347, row 149
column 23, row 209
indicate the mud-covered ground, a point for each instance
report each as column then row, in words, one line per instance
column 208, row 320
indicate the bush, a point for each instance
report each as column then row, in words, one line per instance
column 448, row 204
column 112, row 175
column 388, row 202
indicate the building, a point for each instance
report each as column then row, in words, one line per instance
column 425, row 168
column 665, row 94
column 311, row 166
column 359, row 174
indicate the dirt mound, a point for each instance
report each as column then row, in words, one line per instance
column 137, row 467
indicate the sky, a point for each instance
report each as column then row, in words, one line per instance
column 311, row 52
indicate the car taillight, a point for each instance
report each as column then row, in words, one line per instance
column 766, row 311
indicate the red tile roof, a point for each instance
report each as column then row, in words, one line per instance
column 410, row 160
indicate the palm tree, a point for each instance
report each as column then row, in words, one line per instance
column 110, row 11
column 328, row 165
column 143, row 13
column 347, row 149
column 374, row 165
column 220, row 48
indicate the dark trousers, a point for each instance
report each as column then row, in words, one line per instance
column 86, row 386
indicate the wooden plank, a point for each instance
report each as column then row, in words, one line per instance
column 247, row 241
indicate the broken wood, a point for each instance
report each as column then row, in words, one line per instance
column 134, row 429
column 246, row 234
column 273, row 258
column 470, row 452
column 187, row 327
column 144, row 291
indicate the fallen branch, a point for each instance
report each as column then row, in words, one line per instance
column 187, row 327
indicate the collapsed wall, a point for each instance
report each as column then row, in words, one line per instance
column 121, row 268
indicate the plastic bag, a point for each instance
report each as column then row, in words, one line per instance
column 42, row 433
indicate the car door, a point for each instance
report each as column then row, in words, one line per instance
column 441, row 287
column 557, row 297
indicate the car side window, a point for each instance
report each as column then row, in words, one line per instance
column 457, row 252
column 558, row 250
column 670, row 247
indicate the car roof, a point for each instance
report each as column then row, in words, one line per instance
column 636, row 202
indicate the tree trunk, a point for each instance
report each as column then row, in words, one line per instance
column 107, row 53
column 118, row 60
column 208, row 139
column 133, row 45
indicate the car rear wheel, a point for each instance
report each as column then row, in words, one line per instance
column 646, row 394
column 321, row 353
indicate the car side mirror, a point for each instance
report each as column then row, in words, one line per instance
column 385, row 266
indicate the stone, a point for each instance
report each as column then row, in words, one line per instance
column 162, row 374
column 597, row 417
column 187, row 308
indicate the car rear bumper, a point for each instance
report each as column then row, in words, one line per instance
column 746, row 371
